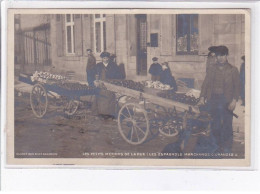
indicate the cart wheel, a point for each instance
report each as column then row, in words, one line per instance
column 133, row 123
column 71, row 107
column 39, row 100
column 169, row 131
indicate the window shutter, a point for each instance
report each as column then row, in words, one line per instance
column 206, row 33
column 59, row 35
column 166, row 35
column 78, row 35
column 86, row 36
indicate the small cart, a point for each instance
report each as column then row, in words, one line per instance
column 41, row 93
column 136, row 117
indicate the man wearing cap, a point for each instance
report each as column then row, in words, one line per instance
column 220, row 90
column 211, row 59
column 91, row 68
column 155, row 70
column 106, row 100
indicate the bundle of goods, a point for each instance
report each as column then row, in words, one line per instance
column 128, row 84
column 193, row 93
column 46, row 76
column 72, row 86
column 180, row 97
column 157, row 85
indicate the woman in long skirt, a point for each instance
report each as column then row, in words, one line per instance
column 106, row 100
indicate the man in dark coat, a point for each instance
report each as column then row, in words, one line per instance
column 91, row 72
column 220, row 90
column 166, row 76
column 106, row 100
column 155, row 70
column 242, row 80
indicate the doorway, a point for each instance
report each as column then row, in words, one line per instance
column 141, row 37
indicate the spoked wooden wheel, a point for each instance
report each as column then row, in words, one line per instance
column 71, row 107
column 133, row 123
column 171, row 128
column 169, row 124
column 39, row 100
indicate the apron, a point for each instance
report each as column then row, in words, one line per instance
column 106, row 100
column 106, row 103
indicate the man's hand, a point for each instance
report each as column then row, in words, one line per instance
column 201, row 101
column 232, row 105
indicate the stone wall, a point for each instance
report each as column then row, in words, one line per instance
column 224, row 30
column 29, row 21
column 229, row 30
column 121, row 39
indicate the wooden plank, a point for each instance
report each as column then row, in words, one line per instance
column 150, row 98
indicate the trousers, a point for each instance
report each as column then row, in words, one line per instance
column 221, row 125
column 91, row 77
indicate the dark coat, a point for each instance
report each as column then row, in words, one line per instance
column 155, row 69
column 242, row 80
column 211, row 60
column 91, row 62
column 112, row 71
column 167, row 78
column 231, row 82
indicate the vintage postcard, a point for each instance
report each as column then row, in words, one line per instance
column 128, row 87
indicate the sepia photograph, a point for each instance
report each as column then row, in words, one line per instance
column 128, row 87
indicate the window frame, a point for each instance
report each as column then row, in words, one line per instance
column 182, row 53
column 72, row 25
column 101, row 20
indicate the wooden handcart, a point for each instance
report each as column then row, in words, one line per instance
column 136, row 117
column 42, row 92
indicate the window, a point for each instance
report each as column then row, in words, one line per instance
column 154, row 39
column 99, row 33
column 69, row 28
column 187, row 34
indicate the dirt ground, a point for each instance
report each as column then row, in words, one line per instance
column 86, row 135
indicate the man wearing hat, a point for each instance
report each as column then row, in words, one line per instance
column 242, row 80
column 155, row 70
column 220, row 90
column 106, row 100
column 211, row 59
column 91, row 68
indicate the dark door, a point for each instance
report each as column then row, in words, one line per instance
column 141, row 36
column 36, row 51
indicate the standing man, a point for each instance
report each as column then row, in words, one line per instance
column 242, row 80
column 155, row 70
column 91, row 72
column 220, row 90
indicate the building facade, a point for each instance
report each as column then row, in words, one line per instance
column 181, row 40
